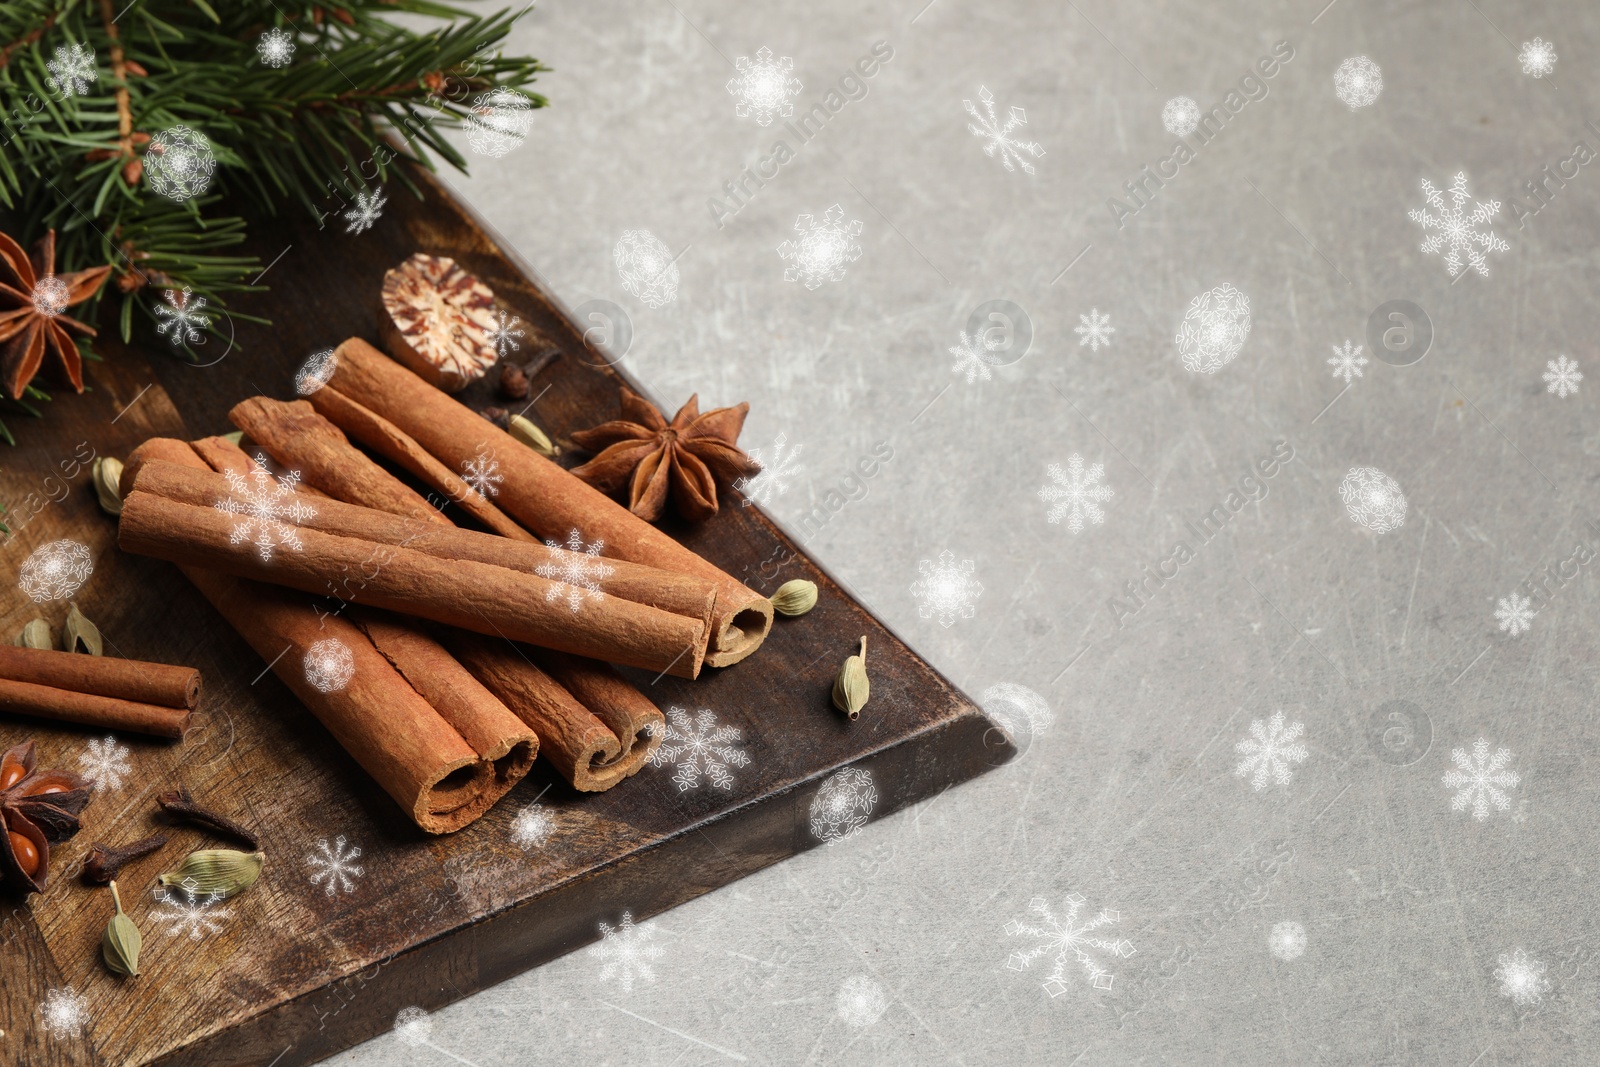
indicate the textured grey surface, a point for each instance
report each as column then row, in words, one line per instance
column 1129, row 798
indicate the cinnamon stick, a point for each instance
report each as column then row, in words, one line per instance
column 89, row 709
column 637, row 722
column 123, row 679
column 541, row 495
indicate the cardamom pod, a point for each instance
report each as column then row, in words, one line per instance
column 795, row 597
column 237, row 437
column 528, row 432
column 121, row 942
column 78, row 634
column 37, row 634
column 852, row 687
column 225, row 872
column 107, row 477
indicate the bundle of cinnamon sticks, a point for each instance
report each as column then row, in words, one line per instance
column 110, row 694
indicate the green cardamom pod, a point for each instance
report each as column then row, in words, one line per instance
column 528, row 432
column 795, row 597
column 37, row 634
column 108, row 484
column 224, row 872
column 852, row 687
column 121, row 942
column 237, row 437
column 78, row 634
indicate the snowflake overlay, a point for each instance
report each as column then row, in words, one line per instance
column 105, row 764
column 72, row 71
column 972, row 356
column 329, row 664
column 1214, row 329
column 698, row 747
column 189, row 910
column 179, row 163
column 1515, row 614
column 1521, row 978
column 946, row 588
column 368, row 210
column 50, row 295
column 843, row 805
column 1016, row 709
column 764, row 87
column 1373, row 499
column 1180, row 116
column 1095, row 330
column 1287, row 940
column 532, row 826
column 860, row 1001
column 500, row 121
column 1077, row 493
column 55, row 570
column 647, row 268
column 1562, row 376
column 315, row 372
column 335, row 865
column 182, row 315
column 1357, row 82
column 574, row 572
column 269, row 508
column 1067, row 936
column 275, row 47
column 65, row 1011
column 507, row 330
column 1458, row 232
column 1271, row 751
column 413, row 1027
column 1347, row 362
column 1480, row 780
column 997, row 137
column 627, row 952
column 1538, row 57
column 773, row 478
column 482, row 473
column 823, row 248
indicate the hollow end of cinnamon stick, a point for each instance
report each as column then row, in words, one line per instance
column 740, row 624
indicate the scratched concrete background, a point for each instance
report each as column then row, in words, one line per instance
column 1421, row 934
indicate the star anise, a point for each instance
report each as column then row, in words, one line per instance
column 33, row 299
column 38, row 807
column 684, row 459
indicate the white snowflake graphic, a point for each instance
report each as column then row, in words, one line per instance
column 972, row 355
column 627, row 952
column 184, row 909
column 1538, row 57
column 482, row 473
column 997, row 137
column 1521, row 977
column 413, row 1027
column 1020, row 712
column 1076, row 494
column 329, row 664
column 1357, row 82
column 269, row 509
column 823, row 248
column 647, row 268
column 105, row 764
column 315, row 372
column 275, row 47
column 532, row 826
column 764, row 87
column 1287, row 940
column 501, row 119
column 55, row 570
column 50, row 296
column 698, row 747
column 1271, row 751
column 773, row 478
column 1214, row 329
column 1180, row 116
column 860, row 1001
column 575, row 571
column 183, row 314
column 843, row 805
column 1454, row 231
column 1068, row 937
column 72, row 71
column 179, row 163
column 1094, row 330
column 1373, row 499
column 334, row 867
column 1515, row 614
column 946, row 589
column 368, row 210
column 1480, row 779
column 1562, row 376
column 1347, row 362
column 507, row 330
column 65, row 1011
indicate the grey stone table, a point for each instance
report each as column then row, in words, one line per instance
column 1357, row 882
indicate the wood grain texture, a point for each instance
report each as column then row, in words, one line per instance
column 296, row 973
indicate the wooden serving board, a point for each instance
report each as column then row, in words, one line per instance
column 294, row 973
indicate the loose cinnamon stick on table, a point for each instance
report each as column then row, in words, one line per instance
column 543, row 496
column 124, row 679
column 88, row 709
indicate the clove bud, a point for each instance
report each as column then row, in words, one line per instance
column 180, row 803
column 105, row 862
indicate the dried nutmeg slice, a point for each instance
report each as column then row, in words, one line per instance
column 37, row 807
column 437, row 319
